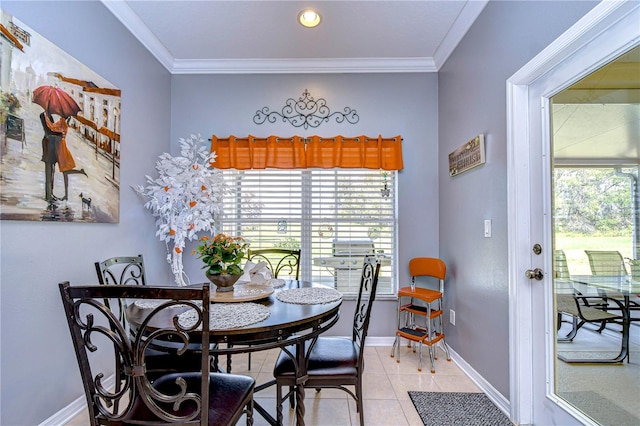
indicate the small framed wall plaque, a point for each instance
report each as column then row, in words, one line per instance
column 468, row 156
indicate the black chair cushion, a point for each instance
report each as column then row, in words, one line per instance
column 159, row 363
column 227, row 392
column 331, row 357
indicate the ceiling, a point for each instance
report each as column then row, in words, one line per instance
column 243, row 36
column 596, row 121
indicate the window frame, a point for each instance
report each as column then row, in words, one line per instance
column 236, row 218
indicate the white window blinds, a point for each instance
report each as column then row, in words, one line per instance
column 335, row 216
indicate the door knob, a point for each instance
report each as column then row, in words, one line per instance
column 536, row 274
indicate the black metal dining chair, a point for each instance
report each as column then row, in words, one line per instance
column 121, row 270
column 334, row 362
column 279, row 261
column 182, row 397
column 129, row 270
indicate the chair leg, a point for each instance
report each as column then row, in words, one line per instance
column 359, row 402
column 444, row 344
column 432, row 358
column 292, row 397
column 278, row 403
column 396, row 344
column 420, row 357
column 446, row 349
column 249, row 411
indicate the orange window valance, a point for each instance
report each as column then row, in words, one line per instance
column 298, row 152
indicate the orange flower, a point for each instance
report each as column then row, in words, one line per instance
column 191, row 226
column 178, row 250
column 166, row 188
column 172, row 232
column 195, row 167
column 204, row 188
column 192, row 204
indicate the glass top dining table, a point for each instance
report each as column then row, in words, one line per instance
column 298, row 312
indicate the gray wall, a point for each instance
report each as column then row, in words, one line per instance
column 388, row 104
column 36, row 358
column 39, row 371
column 472, row 93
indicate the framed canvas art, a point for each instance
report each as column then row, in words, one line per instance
column 59, row 133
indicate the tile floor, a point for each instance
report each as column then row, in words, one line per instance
column 386, row 382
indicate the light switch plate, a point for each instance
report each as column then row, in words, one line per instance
column 487, row 228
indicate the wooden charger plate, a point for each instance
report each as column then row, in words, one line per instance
column 242, row 293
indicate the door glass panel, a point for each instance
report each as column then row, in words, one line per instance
column 596, row 234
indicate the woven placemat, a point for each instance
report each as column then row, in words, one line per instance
column 276, row 282
column 309, row 295
column 224, row 316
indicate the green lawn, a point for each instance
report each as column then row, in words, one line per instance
column 574, row 248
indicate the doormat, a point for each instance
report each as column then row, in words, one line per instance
column 457, row 408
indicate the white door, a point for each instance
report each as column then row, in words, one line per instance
column 610, row 29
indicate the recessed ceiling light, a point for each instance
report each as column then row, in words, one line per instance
column 309, row 18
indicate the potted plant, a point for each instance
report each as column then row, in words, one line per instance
column 222, row 255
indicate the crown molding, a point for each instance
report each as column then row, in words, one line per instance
column 303, row 66
column 121, row 10
column 461, row 25
column 134, row 24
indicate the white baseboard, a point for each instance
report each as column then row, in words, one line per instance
column 76, row 407
column 496, row 397
column 379, row 341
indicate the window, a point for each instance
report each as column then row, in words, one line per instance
column 596, row 208
column 334, row 216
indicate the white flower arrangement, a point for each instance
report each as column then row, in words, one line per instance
column 185, row 198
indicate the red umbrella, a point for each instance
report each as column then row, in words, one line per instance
column 54, row 100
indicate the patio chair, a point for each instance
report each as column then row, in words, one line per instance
column 611, row 263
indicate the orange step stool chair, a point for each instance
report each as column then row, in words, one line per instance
column 416, row 302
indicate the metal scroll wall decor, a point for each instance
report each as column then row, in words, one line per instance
column 306, row 112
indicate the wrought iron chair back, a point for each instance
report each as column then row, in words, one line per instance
column 278, row 260
column 123, row 270
column 366, row 296
column 335, row 362
column 95, row 329
column 175, row 321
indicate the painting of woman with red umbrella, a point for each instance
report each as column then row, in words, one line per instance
column 56, row 101
column 58, row 113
